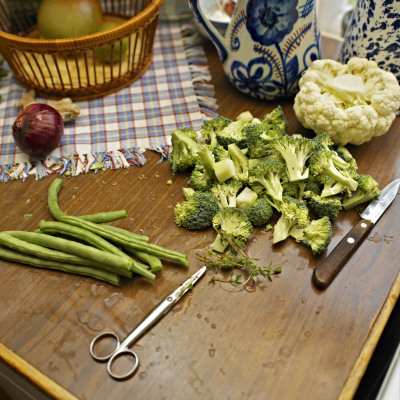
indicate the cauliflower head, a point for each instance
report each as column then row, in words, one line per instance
column 351, row 102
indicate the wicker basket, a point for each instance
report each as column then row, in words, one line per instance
column 76, row 67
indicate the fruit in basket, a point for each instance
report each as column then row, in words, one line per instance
column 38, row 129
column 59, row 19
column 112, row 55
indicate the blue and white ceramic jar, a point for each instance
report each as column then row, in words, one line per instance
column 374, row 33
column 267, row 45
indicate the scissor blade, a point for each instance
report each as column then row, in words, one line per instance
column 188, row 284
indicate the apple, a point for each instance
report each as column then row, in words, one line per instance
column 106, row 50
column 59, row 19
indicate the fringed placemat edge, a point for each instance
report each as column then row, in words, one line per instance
column 74, row 165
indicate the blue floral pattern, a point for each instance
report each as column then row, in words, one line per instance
column 271, row 25
column 269, row 21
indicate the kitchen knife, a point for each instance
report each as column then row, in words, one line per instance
column 324, row 273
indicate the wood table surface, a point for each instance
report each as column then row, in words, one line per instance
column 282, row 339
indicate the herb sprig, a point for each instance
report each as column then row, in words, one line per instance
column 237, row 259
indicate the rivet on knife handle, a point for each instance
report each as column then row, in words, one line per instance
column 326, row 272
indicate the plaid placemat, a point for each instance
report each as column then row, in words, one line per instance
column 115, row 131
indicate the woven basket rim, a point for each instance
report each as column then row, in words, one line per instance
column 42, row 45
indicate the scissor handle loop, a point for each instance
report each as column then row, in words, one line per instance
column 120, row 353
column 98, row 338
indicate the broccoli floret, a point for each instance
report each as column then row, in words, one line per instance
column 325, row 206
column 203, row 175
column 226, row 192
column 292, row 212
column 321, row 163
column 233, row 133
column 210, row 128
column 197, row 211
column 220, row 153
column 295, row 189
column 259, row 136
column 240, row 161
column 233, row 223
column 185, row 150
column 276, row 118
column 260, row 212
column 367, row 190
column 331, row 187
column 345, row 154
column 317, row 234
column 343, row 161
column 268, row 175
column 312, row 184
column 295, row 151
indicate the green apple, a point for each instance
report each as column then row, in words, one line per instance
column 59, row 19
column 106, row 50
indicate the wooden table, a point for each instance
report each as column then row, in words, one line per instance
column 281, row 340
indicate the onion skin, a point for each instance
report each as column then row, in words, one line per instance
column 38, row 129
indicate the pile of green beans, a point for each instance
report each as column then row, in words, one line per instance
column 92, row 248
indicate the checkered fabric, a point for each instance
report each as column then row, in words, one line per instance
column 114, row 131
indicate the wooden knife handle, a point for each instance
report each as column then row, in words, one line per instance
column 324, row 273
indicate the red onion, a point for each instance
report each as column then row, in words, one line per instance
column 38, row 129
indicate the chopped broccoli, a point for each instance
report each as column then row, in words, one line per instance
column 276, row 118
column 233, row 223
column 367, row 190
column 331, row 187
column 317, row 234
column 295, row 189
column 292, row 212
column 233, row 133
column 321, row 163
column 295, row 151
column 268, row 175
column 203, row 175
column 187, row 192
column 185, row 150
column 226, row 192
column 220, row 153
column 325, row 206
column 260, row 212
column 197, row 211
column 241, row 163
column 246, row 198
column 259, row 136
column 210, row 128
column 313, row 184
column 343, row 161
column 345, row 154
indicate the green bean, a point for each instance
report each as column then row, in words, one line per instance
column 153, row 261
column 125, row 232
column 22, row 242
column 97, row 218
column 96, row 273
column 128, row 243
column 55, row 227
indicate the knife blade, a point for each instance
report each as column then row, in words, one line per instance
column 326, row 272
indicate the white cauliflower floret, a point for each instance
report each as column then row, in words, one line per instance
column 351, row 102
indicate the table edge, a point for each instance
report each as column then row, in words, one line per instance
column 361, row 364
column 33, row 375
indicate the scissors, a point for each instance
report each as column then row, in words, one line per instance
column 122, row 349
